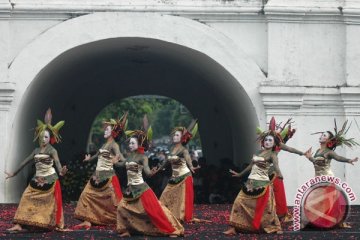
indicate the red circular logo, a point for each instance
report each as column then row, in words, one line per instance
column 325, row 205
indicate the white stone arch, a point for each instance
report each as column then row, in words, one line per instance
column 72, row 33
column 98, row 26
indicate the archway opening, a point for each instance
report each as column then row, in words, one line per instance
column 163, row 114
column 83, row 80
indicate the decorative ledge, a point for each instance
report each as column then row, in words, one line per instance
column 7, row 90
column 282, row 100
column 199, row 9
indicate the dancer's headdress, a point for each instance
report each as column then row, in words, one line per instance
column 118, row 126
column 187, row 133
column 279, row 136
column 46, row 125
column 339, row 139
column 143, row 136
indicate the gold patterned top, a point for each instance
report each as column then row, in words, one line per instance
column 44, row 165
column 322, row 164
column 260, row 173
column 179, row 161
column 104, row 162
column 134, row 173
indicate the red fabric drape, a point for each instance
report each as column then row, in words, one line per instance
column 280, row 197
column 58, row 200
column 117, row 187
column 152, row 207
column 189, row 199
column 260, row 208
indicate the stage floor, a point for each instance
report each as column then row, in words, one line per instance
column 218, row 214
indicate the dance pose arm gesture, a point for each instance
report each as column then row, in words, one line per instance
column 89, row 158
column 333, row 155
column 276, row 165
column 290, row 149
column 62, row 170
column 22, row 165
column 236, row 174
column 148, row 172
column 189, row 162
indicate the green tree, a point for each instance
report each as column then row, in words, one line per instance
column 163, row 114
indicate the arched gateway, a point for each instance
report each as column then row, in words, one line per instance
column 81, row 65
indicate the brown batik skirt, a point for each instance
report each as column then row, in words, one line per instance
column 41, row 208
column 179, row 199
column 98, row 205
column 255, row 213
column 146, row 215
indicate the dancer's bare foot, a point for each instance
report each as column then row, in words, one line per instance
column 16, row 228
column 125, row 234
column 197, row 220
column 173, row 236
column 279, row 232
column 84, row 225
column 63, row 229
column 231, row 231
column 345, row 225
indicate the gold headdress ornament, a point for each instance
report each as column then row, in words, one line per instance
column 144, row 136
column 118, row 126
column 187, row 133
column 46, row 125
column 338, row 139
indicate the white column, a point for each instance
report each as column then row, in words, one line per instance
column 351, row 100
column 6, row 89
column 6, row 96
column 306, row 42
column 352, row 19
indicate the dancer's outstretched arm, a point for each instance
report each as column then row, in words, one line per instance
column 27, row 160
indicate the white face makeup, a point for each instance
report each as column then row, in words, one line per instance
column 107, row 132
column 269, row 142
column 44, row 138
column 133, row 144
column 324, row 137
column 177, row 137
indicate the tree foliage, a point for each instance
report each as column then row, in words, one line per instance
column 163, row 114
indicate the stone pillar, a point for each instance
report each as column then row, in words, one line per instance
column 6, row 89
column 6, row 97
column 351, row 100
column 306, row 42
column 351, row 13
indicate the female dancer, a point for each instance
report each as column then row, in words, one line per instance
column 285, row 132
column 140, row 211
column 41, row 203
column 328, row 142
column 178, row 195
column 99, row 199
column 321, row 160
column 254, row 208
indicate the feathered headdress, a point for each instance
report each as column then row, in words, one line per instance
column 187, row 133
column 46, row 125
column 118, row 126
column 143, row 136
column 278, row 136
column 338, row 138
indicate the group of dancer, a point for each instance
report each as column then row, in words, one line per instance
column 102, row 202
column 260, row 205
